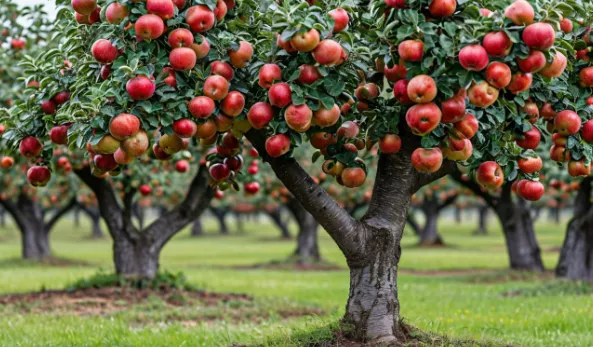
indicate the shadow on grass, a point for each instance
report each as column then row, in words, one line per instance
column 44, row 262
column 555, row 288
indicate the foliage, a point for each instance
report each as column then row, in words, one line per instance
column 162, row 281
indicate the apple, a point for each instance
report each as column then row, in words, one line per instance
column 223, row 69
column 220, row 10
column 421, row 89
column 520, row 82
column 530, row 165
column 200, row 18
column 48, row 107
column 162, row 8
column 223, row 123
column 395, row 73
column 534, row 62
column 305, row 41
column 530, row 190
column 30, row 147
column 427, row 160
column 556, row 67
column 123, row 126
column 566, row 25
column 497, row 44
column 547, row 112
column 185, row 128
column 105, row 162
column 578, row 168
column 324, row 117
column 233, row 104
column 498, row 75
column 149, row 27
column 327, row 52
column 567, row 123
column 333, row 168
column 84, row 7
column 411, row 50
column 341, row 19
column 321, row 140
column 140, row 88
column 206, row 130
column 396, row 3
column 180, row 38
column 298, row 117
column 353, row 177
column 201, row 49
column 229, row 146
column 104, row 52
column 235, row 163
column 442, row 8
column 530, row 140
column 106, row 145
column 520, row 12
column 348, row 129
column 368, row 91
column 490, row 175
column 390, row 143
column 216, row 87
column 540, row 36
column 201, row 107
column 6, row 162
column 400, row 91
column 482, row 94
column 95, row 17
column 453, row 109
column 182, row 58
column 532, row 111
column 171, row 79
column 559, row 153
column 171, row 144
column 309, row 74
column 423, row 118
column 62, row 97
column 268, row 74
column 122, row 158
column 260, row 114
column 586, row 77
column 462, row 154
column 473, row 58
column 240, row 57
column 38, row 176
column 59, row 134
column 277, row 145
column 558, row 139
column 116, row 13
column 105, row 72
column 280, row 95
column 136, row 145
column 587, row 131
column 285, row 45
column 145, row 190
column 467, row 126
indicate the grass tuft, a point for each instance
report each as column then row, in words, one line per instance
column 163, row 280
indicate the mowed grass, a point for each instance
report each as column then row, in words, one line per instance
column 443, row 304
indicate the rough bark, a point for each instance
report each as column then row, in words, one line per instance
column 307, row 250
column 371, row 245
column 276, row 217
column 482, row 221
column 517, row 225
column 220, row 215
column 576, row 256
column 196, row 229
column 136, row 251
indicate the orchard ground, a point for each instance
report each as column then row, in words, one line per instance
column 461, row 291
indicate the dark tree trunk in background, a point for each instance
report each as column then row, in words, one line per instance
column 482, row 221
column 76, row 216
column 412, row 222
column 276, row 217
column 196, row 229
column 458, row 215
column 372, row 245
column 220, row 215
column 576, row 256
column 2, row 217
column 239, row 222
column 307, row 250
column 95, row 216
column 431, row 207
column 517, row 225
column 136, row 251
column 554, row 212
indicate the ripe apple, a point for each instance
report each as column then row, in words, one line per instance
column 105, row 162
column 185, row 128
column 532, row 111
column 566, row 25
column 162, row 8
column 182, row 59
column 390, row 143
column 6, row 162
column 222, row 69
column 277, row 145
column 84, row 7
column 587, row 131
column 482, row 94
column 534, row 62
column 260, row 114
column 368, row 91
column 396, row 3
column 233, row 104
column 105, row 72
column 252, row 188
column 202, row 49
column 285, row 45
column 199, row 18
column 422, row 89
column 48, row 107
column 322, row 139
column 497, row 44
column 149, row 27
column 556, row 67
column 223, row 123
column 530, row 140
column 235, row 163
column 30, row 147
column 411, row 50
column 241, row 56
column 530, row 190
column 280, row 95
column 268, row 74
column 467, row 126
column 540, row 36
column 423, row 118
column 462, row 154
column 59, row 134
column 567, row 123
column 309, row 74
column 453, row 109
column 171, row 144
column 490, row 175
column 145, row 190
column 216, row 87
column 400, row 91
column 578, row 168
column 427, row 160
column 395, row 73
column 38, row 176
column 442, row 8
column 123, row 126
column 219, row 172
column 520, row 82
column 530, row 165
column 122, row 158
column 586, row 77
column 341, row 19
column 180, row 38
column 327, row 52
column 348, row 129
column 136, row 144
column 201, row 107
column 62, row 97
column 326, row 117
column 298, row 117
column 116, row 13
column 332, row 168
column 473, row 58
column 305, row 41
column 520, row 12
column 547, row 112
column 559, row 153
column 140, row 88
column 498, row 75
column 353, row 177
column 104, row 52
column 206, row 130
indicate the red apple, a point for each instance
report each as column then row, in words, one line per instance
column 140, row 88
column 423, row 118
column 422, row 89
column 298, row 117
column 497, row 44
column 241, row 56
column 59, row 134
column 453, row 109
column 268, row 74
column 390, row 143
column 162, row 8
column 427, row 160
column 327, row 52
column 233, row 104
column 586, row 77
column 30, row 147
column 38, row 176
column 442, row 8
column 202, row 49
column 145, row 190
column 326, row 117
column 498, row 75
column 490, row 175
column 200, row 18
column 567, row 123
column 547, row 112
column 556, row 67
column 116, row 13
column 84, row 7
column 566, row 25
column 223, row 69
column 530, row 165
column 341, row 19
column 473, row 58
column 280, row 95
column 180, row 38
column 482, row 94
column 540, row 36
column 534, row 62
column 411, row 50
column 182, row 59
column 216, row 87
column 587, row 131
column 48, row 107
column 309, row 74
column 520, row 82
column 105, row 162
column 104, row 52
column 305, row 41
column 395, row 73
column 468, row 126
column 149, row 27
column 123, row 126
column 201, row 107
column 400, row 91
column 260, row 114
column 520, row 12
column 353, row 177
column 277, row 145
column 185, row 128
column 530, row 190
column 578, row 168
column 530, row 140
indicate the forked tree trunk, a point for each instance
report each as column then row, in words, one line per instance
column 307, row 250
column 137, row 259
column 482, row 221
column 576, row 256
column 276, row 217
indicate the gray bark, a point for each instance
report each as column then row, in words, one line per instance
column 220, row 215
column 429, row 235
column 482, row 221
column 276, row 217
column 576, row 256
column 307, row 250
column 196, row 229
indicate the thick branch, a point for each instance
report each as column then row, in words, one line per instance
column 447, row 202
column 59, row 214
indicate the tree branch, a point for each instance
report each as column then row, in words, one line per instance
column 335, row 220
column 492, row 201
column 59, row 214
column 14, row 211
column 447, row 202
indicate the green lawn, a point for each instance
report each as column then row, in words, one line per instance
column 449, row 305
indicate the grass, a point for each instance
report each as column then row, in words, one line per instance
column 457, row 305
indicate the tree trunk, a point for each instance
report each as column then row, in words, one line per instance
column 220, row 215
column 482, row 221
column 239, row 220
column 135, row 259
column 97, row 232
column 196, row 229
column 458, row 217
column 517, row 225
column 2, row 217
column 576, row 256
column 429, row 236
column 76, row 216
column 276, row 217
column 307, row 250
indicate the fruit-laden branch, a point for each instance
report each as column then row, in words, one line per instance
column 492, row 201
column 447, row 202
column 196, row 201
column 334, row 219
column 59, row 214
